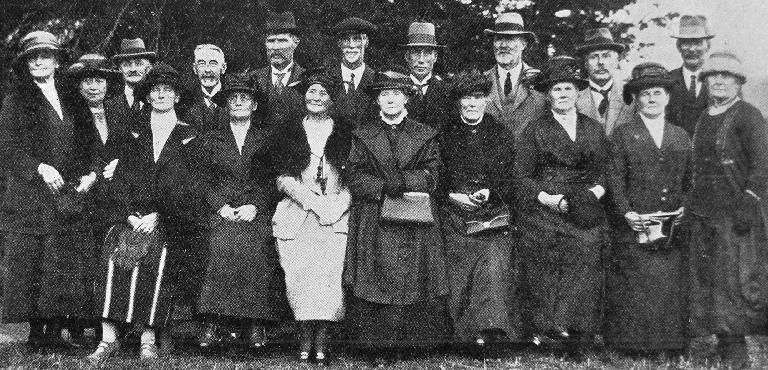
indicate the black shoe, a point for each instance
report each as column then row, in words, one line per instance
column 257, row 338
column 322, row 358
column 210, row 336
column 303, row 357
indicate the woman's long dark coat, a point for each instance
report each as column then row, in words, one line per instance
column 560, row 260
column 243, row 277
column 646, row 289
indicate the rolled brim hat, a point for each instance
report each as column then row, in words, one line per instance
column 469, row 83
column 93, row 65
column 163, row 73
column 723, row 62
column 645, row 76
column 510, row 24
column 390, row 80
column 33, row 42
column 317, row 76
column 560, row 69
column 133, row 49
column 241, row 83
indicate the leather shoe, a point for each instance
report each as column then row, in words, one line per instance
column 258, row 337
column 148, row 352
column 210, row 337
column 322, row 359
column 304, row 357
column 103, row 351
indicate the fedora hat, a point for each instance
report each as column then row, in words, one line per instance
column 692, row 27
column 240, row 82
column 93, row 65
column 133, row 48
column 280, row 23
column 320, row 76
column 468, row 83
column 599, row 39
column 723, row 62
column 561, row 68
column 422, row 34
column 647, row 75
column 353, row 25
column 510, row 24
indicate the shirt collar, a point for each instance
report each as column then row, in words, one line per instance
column 213, row 92
column 422, row 82
column 396, row 121
column 284, row 70
column 49, row 83
column 515, row 71
column 357, row 71
column 607, row 86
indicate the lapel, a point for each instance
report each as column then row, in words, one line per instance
column 522, row 92
column 297, row 71
column 643, row 138
column 251, row 143
column 615, row 105
column 174, row 144
column 495, row 97
column 586, row 105
column 412, row 139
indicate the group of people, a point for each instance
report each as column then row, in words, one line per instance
column 553, row 206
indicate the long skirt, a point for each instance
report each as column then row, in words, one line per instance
column 47, row 276
column 243, row 279
column 561, row 273
column 141, row 294
column 728, row 277
column 313, row 263
column 645, row 298
column 483, row 283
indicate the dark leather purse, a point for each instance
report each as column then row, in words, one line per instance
column 129, row 247
column 69, row 202
column 494, row 217
column 410, row 208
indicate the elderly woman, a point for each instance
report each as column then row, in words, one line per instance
column 726, row 213
column 476, row 216
column 395, row 266
column 646, row 277
column 46, row 242
column 560, row 167
column 157, row 199
column 241, row 283
column 310, row 224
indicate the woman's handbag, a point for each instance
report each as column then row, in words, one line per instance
column 410, row 208
column 128, row 246
column 488, row 218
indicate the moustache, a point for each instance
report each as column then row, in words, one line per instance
column 134, row 74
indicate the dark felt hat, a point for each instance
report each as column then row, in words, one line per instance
column 646, row 75
column 422, row 34
column 163, row 73
column 390, row 80
column 133, row 48
column 510, row 24
column 280, row 23
column 560, row 69
column 470, row 82
column 599, row 39
column 353, row 25
column 93, row 65
column 319, row 76
column 240, row 82
column 692, row 27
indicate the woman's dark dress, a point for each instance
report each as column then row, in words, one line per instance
column 645, row 297
column 482, row 288
column 562, row 275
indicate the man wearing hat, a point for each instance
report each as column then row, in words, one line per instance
column 689, row 95
column 511, row 102
column 134, row 61
column 353, row 76
column 204, row 114
column 603, row 100
column 428, row 104
column 282, row 38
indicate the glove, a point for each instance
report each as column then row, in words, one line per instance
column 395, row 187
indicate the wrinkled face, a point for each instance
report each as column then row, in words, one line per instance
column 473, row 106
column 241, row 105
column 508, row 49
column 93, row 89
column 392, row 102
column 134, row 69
column 693, row 52
column 280, row 48
column 209, row 66
column 42, row 64
column 723, row 86
column 317, row 99
column 162, row 97
column 353, row 48
column 652, row 101
column 601, row 65
column 562, row 97
column 421, row 60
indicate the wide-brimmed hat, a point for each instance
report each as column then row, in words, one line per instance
column 692, row 27
column 468, row 83
column 161, row 73
column 93, row 65
column 723, row 62
column 599, row 39
column 422, row 34
column 353, row 25
column 280, row 23
column 34, row 41
column 390, row 80
column 510, row 24
column 133, row 48
column 240, row 82
column 561, row 68
column 647, row 75
column 320, row 76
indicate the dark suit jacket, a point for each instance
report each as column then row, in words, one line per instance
column 432, row 108
column 202, row 118
column 684, row 108
column 518, row 109
column 353, row 107
column 123, row 113
column 288, row 102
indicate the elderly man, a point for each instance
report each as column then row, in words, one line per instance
column 689, row 95
column 282, row 38
column 204, row 114
column 353, row 75
column 134, row 61
column 428, row 103
column 511, row 102
column 603, row 100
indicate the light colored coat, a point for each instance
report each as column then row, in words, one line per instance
column 618, row 111
column 518, row 108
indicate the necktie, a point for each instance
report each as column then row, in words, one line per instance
column 420, row 88
column 351, row 83
column 508, row 84
column 279, row 81
column 603, row 107
column 692, row 88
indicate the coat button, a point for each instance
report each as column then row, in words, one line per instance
column 664, row 190
column 663, row 199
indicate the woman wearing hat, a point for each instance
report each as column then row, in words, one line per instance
column 560, row 167
column 310, row 223
column 158, row 205
column 478, row 257
column 241, row 290
column 645, row 308
column 48, row 163
column 726, row 212
column 395, row 266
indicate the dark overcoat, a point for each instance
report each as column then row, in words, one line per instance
column 353, row 107
column 684, row 108
column 645, row 302
column 433, row 107
column 286, row 103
